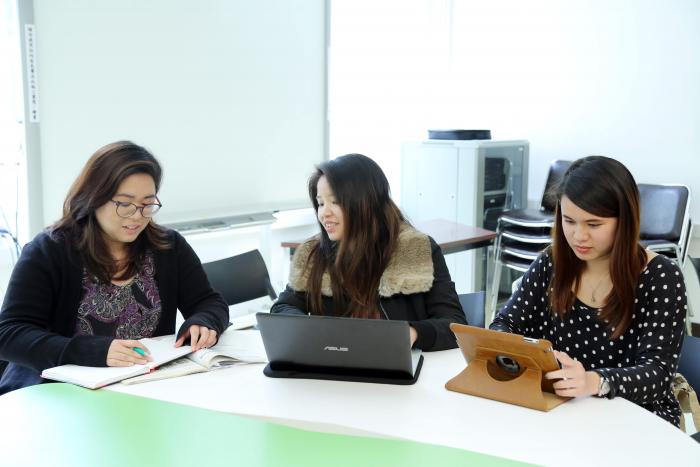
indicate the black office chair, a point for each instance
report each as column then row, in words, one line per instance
column 691, row 275
column 689, row 362
column 665, row 219
column 524, row 233
column 696, row 265
column 473, row 306
column 240, row 278
column 689, row 366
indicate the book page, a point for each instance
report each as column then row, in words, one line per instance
column 180, row 367
column 233, row 347
column 163, row 349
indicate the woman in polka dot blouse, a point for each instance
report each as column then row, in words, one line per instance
column 614, row 311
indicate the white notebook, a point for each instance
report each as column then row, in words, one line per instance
column 162, row 350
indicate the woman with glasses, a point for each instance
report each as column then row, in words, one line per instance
column 368, row 261
column 105, row 275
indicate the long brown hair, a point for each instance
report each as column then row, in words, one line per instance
column 603, row 187
column 372, row 224
column 96, row 185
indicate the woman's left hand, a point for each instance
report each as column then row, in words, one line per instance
column 200, row 337
column 574, row 380
column 413, row 334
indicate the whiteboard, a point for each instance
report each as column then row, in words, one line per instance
column 229, row 95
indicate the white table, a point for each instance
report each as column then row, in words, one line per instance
column 588, row 431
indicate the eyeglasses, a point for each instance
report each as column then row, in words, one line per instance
column 129, row 209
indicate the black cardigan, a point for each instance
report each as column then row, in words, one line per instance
column 37, row 322
column 430, row 313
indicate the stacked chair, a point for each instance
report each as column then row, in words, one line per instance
column 524, row 233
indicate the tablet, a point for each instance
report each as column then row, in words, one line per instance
column 506, row 367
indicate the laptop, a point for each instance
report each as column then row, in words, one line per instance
column 344, row 349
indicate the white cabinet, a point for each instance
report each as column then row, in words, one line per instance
column 469, row 182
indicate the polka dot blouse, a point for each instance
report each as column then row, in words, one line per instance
column 640, row 363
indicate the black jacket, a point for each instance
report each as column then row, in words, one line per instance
column 38, row 318
column 416, row 287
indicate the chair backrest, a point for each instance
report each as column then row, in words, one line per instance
column 473, row 306
column 696, row 265
column 516, row 284
column 556, row 173
column 664, row 212
column 689, row 362
column 240, row 278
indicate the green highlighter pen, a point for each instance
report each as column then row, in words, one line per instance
column 139, row 351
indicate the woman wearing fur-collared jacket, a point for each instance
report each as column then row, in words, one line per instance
column 368, row 261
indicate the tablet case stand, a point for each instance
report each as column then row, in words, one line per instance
column 481, row 378
column 505, row 367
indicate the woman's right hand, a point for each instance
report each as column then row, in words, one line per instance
column 121, row 353
column 413, row 335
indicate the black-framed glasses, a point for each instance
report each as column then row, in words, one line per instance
column 125, row 209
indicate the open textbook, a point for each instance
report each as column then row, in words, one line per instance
column 233, row 346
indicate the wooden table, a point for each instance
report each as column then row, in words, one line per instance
column 451, row 236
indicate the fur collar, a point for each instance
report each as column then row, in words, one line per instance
column 410, row 269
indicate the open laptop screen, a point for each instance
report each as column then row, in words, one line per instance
column 348, row 349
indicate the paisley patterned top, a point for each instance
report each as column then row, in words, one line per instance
column 129, row 311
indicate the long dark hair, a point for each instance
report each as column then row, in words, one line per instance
column 603, row 187
column 372, row 225
column 96, row 185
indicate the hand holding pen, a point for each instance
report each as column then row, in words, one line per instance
column 127, row 352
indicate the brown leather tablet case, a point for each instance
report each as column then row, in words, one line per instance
column 506, row 367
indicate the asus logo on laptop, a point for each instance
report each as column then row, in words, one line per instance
column 336, row 349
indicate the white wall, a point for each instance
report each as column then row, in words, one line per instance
column 229, row 95
column 578, row 77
